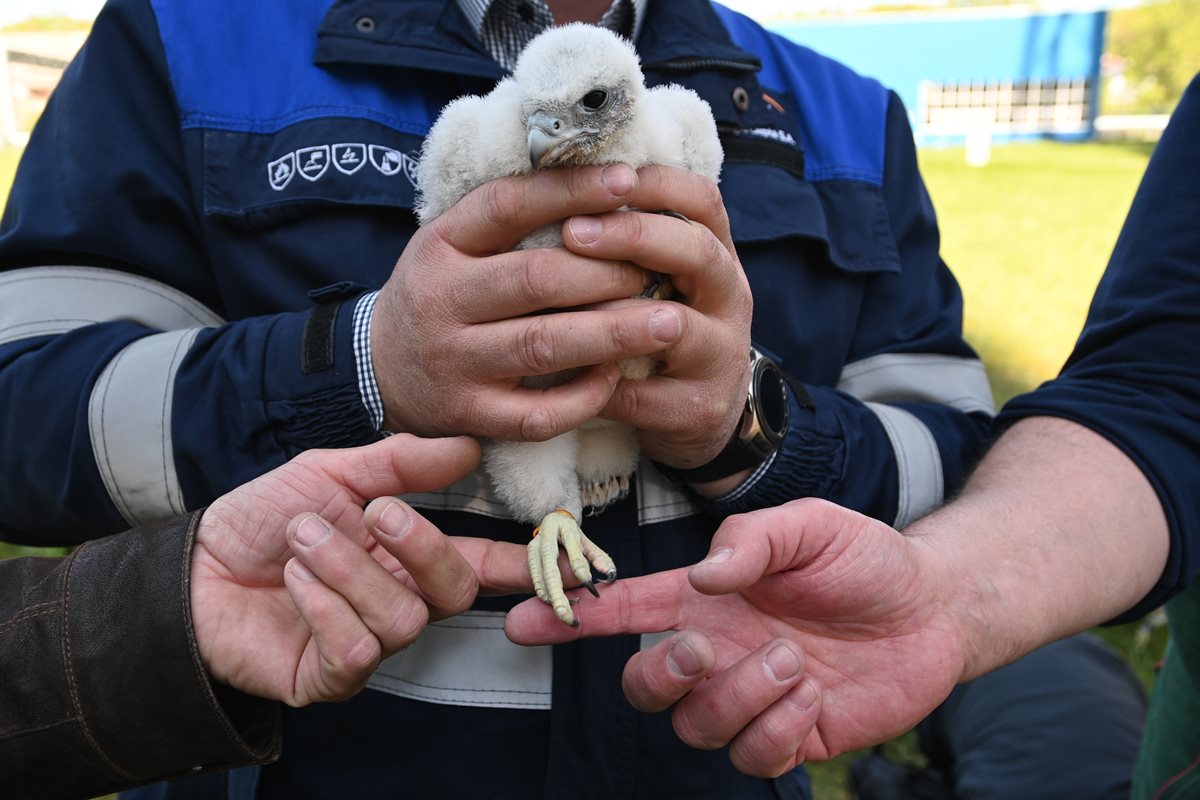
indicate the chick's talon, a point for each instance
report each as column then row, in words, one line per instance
column 560, row 529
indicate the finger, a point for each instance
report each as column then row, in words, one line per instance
column 769, row 745
column 654, row 403
column 393, row 613
column 648, row 604
column 657, row 678
column 718, row 709
column 748, row 546
column 497, row 215
column 439, row 571
column 348, row 651
column 522, row 282
column 550, row 343
column 700, row 266
column 524, row 414
column 694, row 196
column 396, row 465
column 501, row 567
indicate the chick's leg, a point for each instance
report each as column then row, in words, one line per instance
column 559, row 528
column 532, row 478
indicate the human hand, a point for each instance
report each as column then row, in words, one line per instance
column 297, row 607
column 686, row 412
column 810, row 630
column 456, row 327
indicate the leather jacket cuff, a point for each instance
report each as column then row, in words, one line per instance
column 139, row 703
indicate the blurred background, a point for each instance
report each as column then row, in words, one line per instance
column 1034, row 124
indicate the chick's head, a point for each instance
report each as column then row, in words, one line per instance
column 579, row 87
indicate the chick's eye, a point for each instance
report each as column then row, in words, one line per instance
column 594, row 99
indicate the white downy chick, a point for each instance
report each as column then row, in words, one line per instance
column 576, row 97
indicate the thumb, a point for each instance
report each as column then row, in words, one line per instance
column 748, row 547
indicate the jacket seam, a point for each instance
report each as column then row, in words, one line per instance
column 33, row 612
column 189, row 541
column 70, row 668
column 48, row 726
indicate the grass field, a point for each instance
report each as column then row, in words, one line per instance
column 1028, row 237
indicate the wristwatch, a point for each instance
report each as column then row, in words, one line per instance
column 764, row 423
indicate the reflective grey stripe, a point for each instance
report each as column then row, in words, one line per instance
column 918, row 462
column 468, row 661
column 129, row 416
column 129, row 412
column 39, row 301
column 658, row 499
column 960, row 383
column 472, row 494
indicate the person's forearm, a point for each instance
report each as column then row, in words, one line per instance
column 1056, row 531
column 100, row 639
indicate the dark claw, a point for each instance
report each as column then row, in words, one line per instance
column 575, row 623
column 609, row 577
column 591, row 587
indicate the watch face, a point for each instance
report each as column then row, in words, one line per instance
column 771, row 399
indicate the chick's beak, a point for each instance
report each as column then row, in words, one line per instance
column 546, row 133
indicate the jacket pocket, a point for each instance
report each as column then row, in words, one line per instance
column 844, row 221
column 256, row 180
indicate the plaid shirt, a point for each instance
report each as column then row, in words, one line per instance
column 506, row 26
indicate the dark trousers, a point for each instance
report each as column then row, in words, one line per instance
column 1062, row 722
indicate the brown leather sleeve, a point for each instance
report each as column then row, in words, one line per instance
column 101, row 684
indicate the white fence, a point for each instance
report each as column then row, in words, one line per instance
column 26, row 80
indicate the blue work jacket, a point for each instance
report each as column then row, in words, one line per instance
column 213, row 185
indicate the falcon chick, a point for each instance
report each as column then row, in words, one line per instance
column 576, row 97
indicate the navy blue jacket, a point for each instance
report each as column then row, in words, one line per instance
column 212, row 185
column 1134, row 376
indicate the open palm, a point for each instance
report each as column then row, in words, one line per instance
column 845, row 594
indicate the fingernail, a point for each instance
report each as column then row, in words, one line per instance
column 781, row 663
column 683, row 660
column 300, row 571
column 718, row 556
column 312, row 531
column 803, row 696
column 585, row 229
column 664, row 325
column 618, row 179
column 395, row 521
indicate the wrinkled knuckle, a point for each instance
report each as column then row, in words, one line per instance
column 749, row 761
column 711, row 249
column 537, row 270
column 539, row 424
column 358, row 662
column 462, row 599
column 693, row 734
column 536, row 347
column 635, row 231
column 499, row 201
column 408, row 624
column 627, row 400
column 714, row 205
column 623, row 337
column 773, row 741
column 580, row 183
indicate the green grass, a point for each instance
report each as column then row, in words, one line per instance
column 1028, row 237
column 8, row 168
